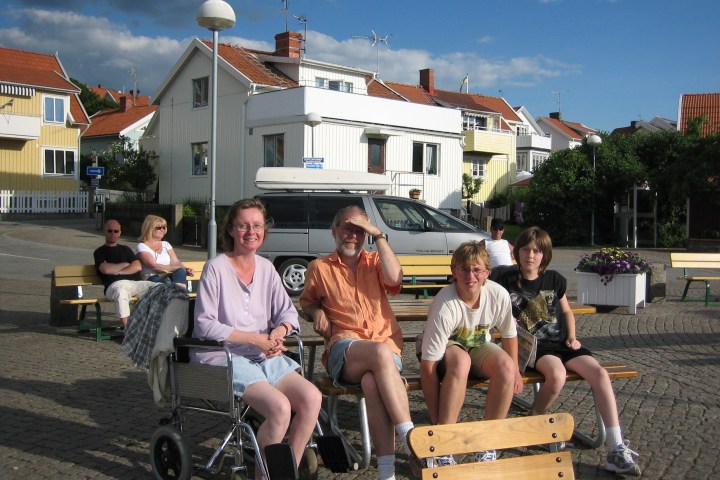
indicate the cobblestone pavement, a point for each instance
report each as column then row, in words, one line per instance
column 74, row 408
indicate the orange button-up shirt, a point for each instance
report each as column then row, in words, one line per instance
column 356, row 305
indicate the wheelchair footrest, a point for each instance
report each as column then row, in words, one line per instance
column 334, row 455
column 280, row 461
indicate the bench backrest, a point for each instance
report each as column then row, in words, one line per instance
column 694, row 260
column 425, row 265
column 509, row 433
column 75, row 275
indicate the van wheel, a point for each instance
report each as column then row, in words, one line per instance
column 292, row 273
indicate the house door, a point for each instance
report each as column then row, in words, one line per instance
column 376, row 155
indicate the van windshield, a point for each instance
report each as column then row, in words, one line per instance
column 411, row 216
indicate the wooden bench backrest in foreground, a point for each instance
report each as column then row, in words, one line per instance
column 510, row 433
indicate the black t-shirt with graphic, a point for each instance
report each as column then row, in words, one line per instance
column 535, row 303
column 116, row 254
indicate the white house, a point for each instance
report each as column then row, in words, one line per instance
column 564, row 134
column 280, row 109
column 533, row 145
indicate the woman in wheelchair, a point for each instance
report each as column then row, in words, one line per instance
column 241, row 301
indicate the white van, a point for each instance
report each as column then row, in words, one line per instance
column 302, row 219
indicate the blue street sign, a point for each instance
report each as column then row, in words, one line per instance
column 313, row 162
column 94, row 182
column 95, row 171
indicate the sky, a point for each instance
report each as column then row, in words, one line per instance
column 603, row 63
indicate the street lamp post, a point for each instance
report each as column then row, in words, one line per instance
column 313, row 119
column 593, row 140
column 215, row 15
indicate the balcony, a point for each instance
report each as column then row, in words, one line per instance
column 534, row 141
column 489, row 141
column 19, row 127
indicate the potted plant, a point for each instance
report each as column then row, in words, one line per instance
column 611, row 276
column 415, row 193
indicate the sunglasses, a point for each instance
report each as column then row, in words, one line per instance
column 113, row 231
column 162, row 227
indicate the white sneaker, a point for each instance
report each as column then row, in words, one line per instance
column 444, row 461
column 620, row 460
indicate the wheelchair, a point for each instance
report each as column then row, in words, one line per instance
column 208, row 389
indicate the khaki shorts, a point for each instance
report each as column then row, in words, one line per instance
column 477, row 355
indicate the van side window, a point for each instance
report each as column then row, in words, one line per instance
column 400, row 215
column 324, row 208
column 287, row 211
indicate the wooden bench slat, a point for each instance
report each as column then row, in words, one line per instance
column 545, row 466
column 327, row 387
column 459, row 438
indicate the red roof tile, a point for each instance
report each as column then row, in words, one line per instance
column 413, row 93
column 248, row 63
column 380, row 89
column 40, row 70
column 574, row 130
column 696, row 104
column 112, row 121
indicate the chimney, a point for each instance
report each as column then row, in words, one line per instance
column 633, row 123
column 556, row 115
column 427, row 80
column 124, row 103
column 288, row 44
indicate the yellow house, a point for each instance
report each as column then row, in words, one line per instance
column 41, row 120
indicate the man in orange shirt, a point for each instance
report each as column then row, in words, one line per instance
column 346, row 296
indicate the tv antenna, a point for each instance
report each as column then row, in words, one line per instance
column 133, row 75
column 286, row 7
column 557, row 94
column 376, row 41
column 302, row 20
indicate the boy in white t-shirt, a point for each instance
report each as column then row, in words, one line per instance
column 457, row 342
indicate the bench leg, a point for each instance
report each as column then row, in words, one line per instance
column 687, row 285
column 707, row 293
column 364, row 459
column 601, row 435
column 580, row 435
column 81, row 323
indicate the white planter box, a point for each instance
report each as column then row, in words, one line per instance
column 624, row 289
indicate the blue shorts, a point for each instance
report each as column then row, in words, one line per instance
column 336, row 361
column 271, row 370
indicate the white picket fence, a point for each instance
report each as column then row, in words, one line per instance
column 16, row 201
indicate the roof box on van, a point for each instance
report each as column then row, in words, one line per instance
column 293, row 178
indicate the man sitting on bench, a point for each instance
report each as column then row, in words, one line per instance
column 120, row 271
column 457, row 343
column 345, row 293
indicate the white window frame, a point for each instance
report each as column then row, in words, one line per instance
column 271, row 150
column 476, row 122
column 478, row 167
column 55, row 118
column 321, row 82
column 200, row 92
column 521, row 160
column 430, row 166
column 55, row 151
column 199, row 158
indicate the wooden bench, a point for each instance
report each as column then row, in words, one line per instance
column 510, row 433
column 326, row 386
column 702, row 261
column 424, row 272
column 78, row 276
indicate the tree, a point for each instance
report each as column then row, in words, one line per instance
column 565, row 189
column 470, row 187
column 125, row 168
column 91, row 100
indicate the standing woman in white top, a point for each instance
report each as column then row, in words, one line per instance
column 500, row 251
column 158, row 259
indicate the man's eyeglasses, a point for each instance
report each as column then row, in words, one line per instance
column 161, row 227
column 476, row 271
column 353, row 230
column 256, row 227
column 113, row 231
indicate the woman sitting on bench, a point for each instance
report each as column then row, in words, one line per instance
column 157, row 256
column 241, row 300
column 541, row 307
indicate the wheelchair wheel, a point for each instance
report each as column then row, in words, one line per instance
column 170, row 455
column 309, row 465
